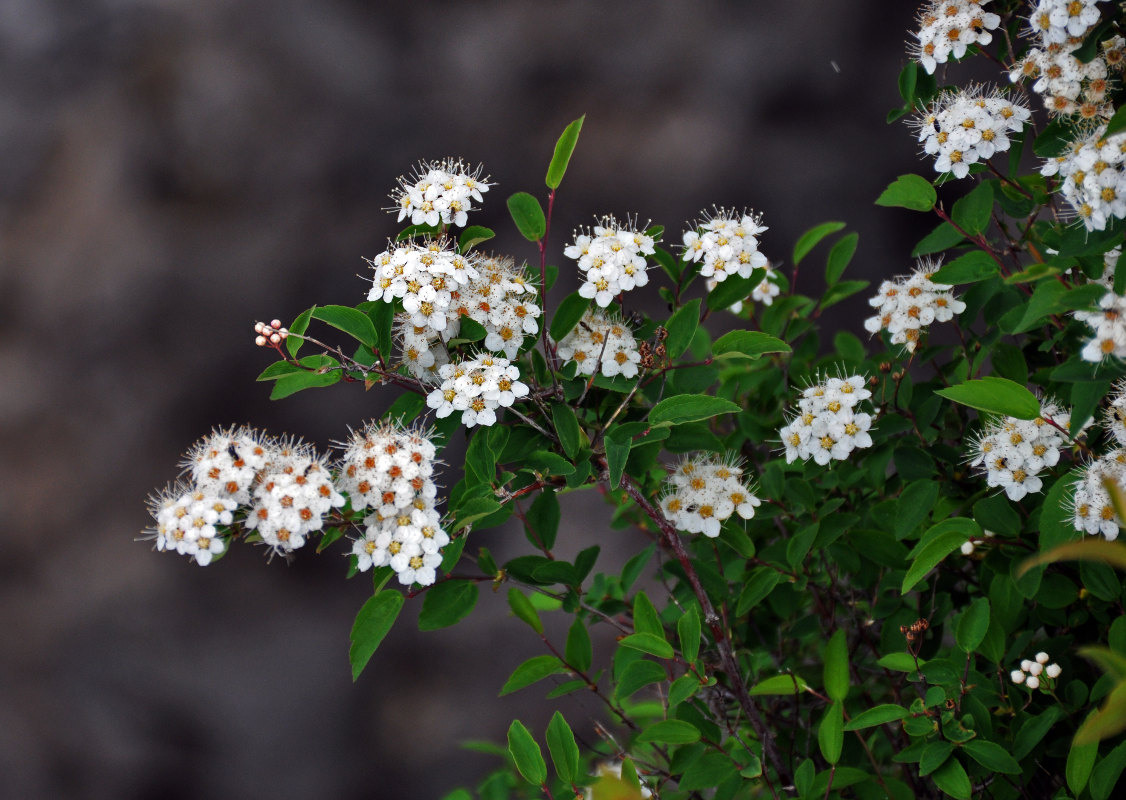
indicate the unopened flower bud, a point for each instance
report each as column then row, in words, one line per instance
column 1043, row 657
column 275, row 338
column 260, row 341
column 1052, row 671
column 275, row 323
column 1033, row 682
column 967, row 548
column 1035, row 668
column 1026, row 665
column 1016, row 676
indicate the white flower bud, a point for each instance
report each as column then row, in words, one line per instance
column 1053, row 671
column 275, row 338
column 1043, row 657
column 1035, row 668
column 967, row 548
column 275, row 323
column 1026, row 665
column 1016, row 676
column 260, row 341
column 1033, row 682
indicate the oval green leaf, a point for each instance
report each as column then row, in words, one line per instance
column 689, row 408
column 525, row 751
column 528, row 216
column 909, row 191
column 372, row 624
column 670, row 731
column 564, row 147
column 995, row 395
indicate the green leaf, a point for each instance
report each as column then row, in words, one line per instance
column 567, row 426
column 473, row 236
column 1100, row 550
column 372, row 624
column 835, row 672
column 877, row 716
column 617, row 453
column 542, row 518
column 523, row 609
column 973, row 625
column 1033, row 730
column 280, row 369
column 688, row 629
column 747, row 344
column 645, row 617
column 1080, row 762
column 995, row 395
column 971, row 213
column 564, row 147
column 808, row 240
column 526, row 753
column 579, row 651
column 382, row 316
column 690, row 408
column 908, row 77
column 779, row 685
column 900, row 662
column 974, row 266
column 830, row 733
column 734, row 289
column 909, row 191
column 839, row 257
column 992, row 756
column 561, row 745
column 533, row 670
column 446, row 603
column 934, row 756
column 639, row 674
column 1117, row 123
column 1109, row 720
column 840, row 291
column 648, row 643
column 670, row 731
column 355, row 323
column 950, row 537
column 941, row 238
column 291, row 384
column 682, row 327
column 951, row 778
column 1106, row 774
column 756, row 589
column 567, row 316
column 294, row 341
column 528, row 216
column 1054, row 139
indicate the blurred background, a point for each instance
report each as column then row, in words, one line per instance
column 172, row 171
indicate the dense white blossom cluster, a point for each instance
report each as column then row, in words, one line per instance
column 947, row 27
column 1062, row 21
column 1091, row 506
column 476, row 387
column 828, row 424
column 726, row 243
column 965, row 127
column 292, row 496
column 1066, row 84
column 423, row 349
column 703, row 492
column 389, row 470
column 286, row 488
column 439, row 192
column 424, row 275
column 1012, row 452
column 1031, row 671
column 1092, row 177
column 503, row 301
column 612, row 259
column 601, row 342
column 1109, row 327
column 906, row 306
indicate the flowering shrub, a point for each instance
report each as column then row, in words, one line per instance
column 854, row 544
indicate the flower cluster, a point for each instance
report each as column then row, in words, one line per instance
column 828, row 425
column 291, row 497
column 389, row 469
column 1012, row 452
column 1109, row 326
column 423, row 349
column 424, row 275
column 1062, row 21
column 948, row 27
column 1091, row 506
column 286, row 488
column 726, row 243
column 962, row 128
column 612, row 257
column 476, row 387
column 705, row 491
column 503, row 301
column 271, row 334
column 439, row 192
column 1066, row 84
column 601, row 342
column 1030, row 671
column 906, row 305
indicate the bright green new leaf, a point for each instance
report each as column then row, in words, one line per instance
column 473, row 236
column 648, row 643
column 688, row 630
column 930, row 554
column 525, row 751
column 561, row 745
column 941, row 238
column 808, row 240
column 747, row 344
column 296, row 382
column 995, row 395
column 564, row 147
column 294, row 341
column 645, row 618
column 617, row 452
column 779, row 685
column 830, row 733
column 909, row 191
column 690, row 408
column 734, row 289
column 523, row 609
column 528, row 216
column 372, row 624
column 974, row 266
column 835, row 672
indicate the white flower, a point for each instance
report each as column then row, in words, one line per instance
column 826, row 426
column 947, row 27
column 612, row 258
column 439, row 192
column 724, row 243
column 703, row 492
column 961, row 128
column 601, row 342
column 476, row 387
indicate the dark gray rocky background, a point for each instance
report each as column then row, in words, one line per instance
column 173, row 170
